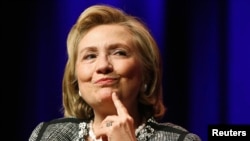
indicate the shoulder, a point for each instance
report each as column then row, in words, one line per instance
column 66, row 120
column 61, row 129
column 168, row 131
column 176, row 130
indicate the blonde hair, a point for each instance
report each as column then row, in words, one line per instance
column 150, row 99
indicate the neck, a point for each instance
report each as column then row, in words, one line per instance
column 92, row 136
column 98, row 118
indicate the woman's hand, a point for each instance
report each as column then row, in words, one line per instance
column 117, row 127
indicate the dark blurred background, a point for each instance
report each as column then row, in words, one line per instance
column 204, row 43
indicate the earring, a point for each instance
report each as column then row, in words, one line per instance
column 80, row 94
column 145, row 87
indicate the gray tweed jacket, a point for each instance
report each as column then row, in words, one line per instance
column 67, row 129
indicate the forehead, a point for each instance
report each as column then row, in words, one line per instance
column 112, row 30
column 105, row 35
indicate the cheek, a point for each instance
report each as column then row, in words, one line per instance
column 82, row 73
column 130, row 70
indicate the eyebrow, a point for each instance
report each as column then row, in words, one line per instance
column 88, row 48
column 112, row 46
column 119, row 45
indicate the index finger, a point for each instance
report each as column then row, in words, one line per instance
column 121, row 109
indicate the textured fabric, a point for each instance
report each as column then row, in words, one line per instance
column 67, row 129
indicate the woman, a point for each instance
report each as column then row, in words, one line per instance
column 112, row 83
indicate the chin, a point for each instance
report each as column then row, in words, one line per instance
column 105, row 96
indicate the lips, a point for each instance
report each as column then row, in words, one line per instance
column 106, row 81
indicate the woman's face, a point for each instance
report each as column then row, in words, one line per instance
column 107, row 62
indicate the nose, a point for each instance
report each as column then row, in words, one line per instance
column 104, row 65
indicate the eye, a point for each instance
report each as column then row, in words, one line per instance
column 120, row 53
column 89, row 56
